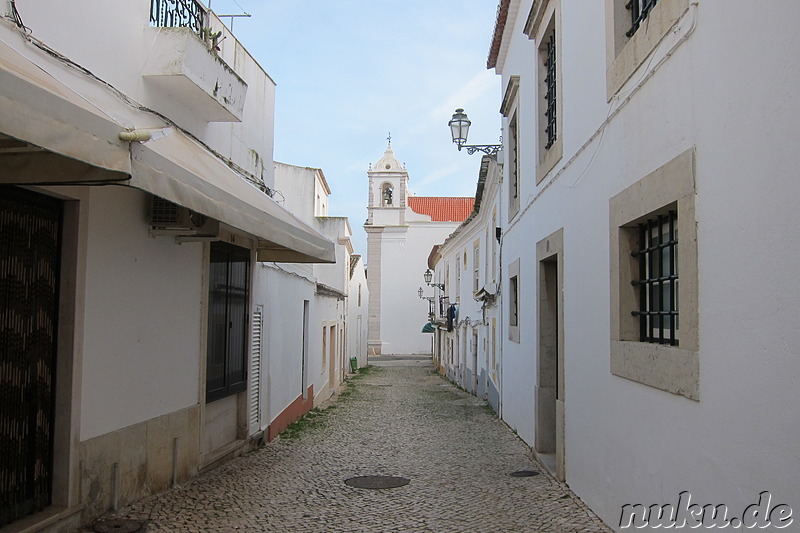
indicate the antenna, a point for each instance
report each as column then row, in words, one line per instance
column 246, row 15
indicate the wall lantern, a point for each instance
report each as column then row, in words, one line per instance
column 428, row 276
column 459, row 129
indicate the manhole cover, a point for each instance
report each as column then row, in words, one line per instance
column 117, row 525
column 524, row 473
column 377, row 482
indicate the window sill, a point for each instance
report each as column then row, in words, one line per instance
column 667, row 368
column 549, row 159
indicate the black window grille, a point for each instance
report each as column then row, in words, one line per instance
column 639, row 9
column 513, row 306
column 658, row 280
column 550, row 94
column 177, row 13
column 514, row 185
column 229, row 284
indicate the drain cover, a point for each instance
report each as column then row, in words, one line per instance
column 524, row 473
column 377, row 482
column 117, row 525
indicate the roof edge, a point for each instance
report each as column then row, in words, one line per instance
column 499, row 28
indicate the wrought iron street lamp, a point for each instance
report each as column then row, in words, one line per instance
column 459, row 129
column 428, row 276
column 430, row 299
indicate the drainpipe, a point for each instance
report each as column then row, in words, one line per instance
column 500, row 239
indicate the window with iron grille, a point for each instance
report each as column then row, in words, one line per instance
column 655, row 334
column 628, row 48
column 513, row 301
column 228, row 301
column 639, row 10
column 550, row 94
column 476, row 261
column 513, row 171
column 658, row 279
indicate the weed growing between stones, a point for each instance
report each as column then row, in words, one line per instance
column 312, row 419
column 317, row 416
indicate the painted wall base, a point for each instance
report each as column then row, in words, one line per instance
column 296, row 409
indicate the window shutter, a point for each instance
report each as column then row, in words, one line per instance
column 255, row 369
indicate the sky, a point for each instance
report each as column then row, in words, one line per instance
column 349, row 72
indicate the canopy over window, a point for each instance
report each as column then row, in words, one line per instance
column 42, row 119
column 53, row 134
column 178, row 169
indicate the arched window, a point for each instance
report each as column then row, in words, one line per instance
column 387, row 195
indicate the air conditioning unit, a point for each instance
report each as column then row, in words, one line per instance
column 168, row 218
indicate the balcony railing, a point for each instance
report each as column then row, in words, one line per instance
column 177, row 13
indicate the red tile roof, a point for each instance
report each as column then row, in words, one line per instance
column 497, row 37
column 442, row 208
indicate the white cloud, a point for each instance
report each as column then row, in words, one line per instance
column 438, row 175
column 476, row 90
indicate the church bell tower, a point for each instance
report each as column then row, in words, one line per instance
column 388, row 190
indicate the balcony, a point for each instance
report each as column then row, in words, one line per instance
column 178, row 14
column 182, row 61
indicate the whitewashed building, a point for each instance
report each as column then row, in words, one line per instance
column 649, row 265
column 467, row 305
column 357, row 312
column 401, row 229
column 135, row 181
column 316, row 313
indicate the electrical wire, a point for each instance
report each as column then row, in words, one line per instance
column 613, row 112
column 27, row 34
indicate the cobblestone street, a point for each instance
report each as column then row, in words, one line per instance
column 396, row 419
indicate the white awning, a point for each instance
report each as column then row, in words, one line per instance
column 39, row 110
column 51, row 134
column 178, row 169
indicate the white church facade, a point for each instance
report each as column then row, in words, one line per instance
column 401, row 230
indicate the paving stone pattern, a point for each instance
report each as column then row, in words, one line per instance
column 395, row 420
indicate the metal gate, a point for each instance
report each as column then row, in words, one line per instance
column 29, row 271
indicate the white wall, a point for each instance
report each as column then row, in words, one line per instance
column 403, row 257
column 357, row 315
column 296, row 187
column 117, row 51
column 289, row 284
column 335, row 275
column 143, row 318
column 729, row 92
column 282, row 290
column 474, row 374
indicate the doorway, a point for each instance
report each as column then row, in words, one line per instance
column 550, row 423
column 332, row 360
column 30, row 237
column 474, row 380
